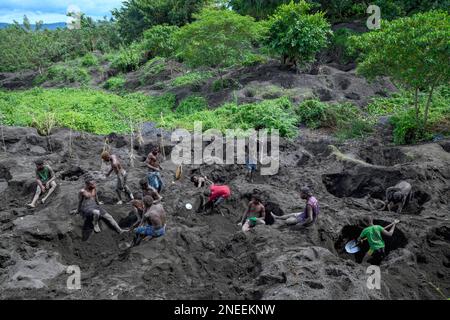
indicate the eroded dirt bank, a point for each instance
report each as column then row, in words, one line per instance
column 207, row 257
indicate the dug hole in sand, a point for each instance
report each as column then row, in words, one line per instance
column 207, row 256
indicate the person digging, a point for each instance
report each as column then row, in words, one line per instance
column 373, row 234
column 254, row 215
column 45, row 178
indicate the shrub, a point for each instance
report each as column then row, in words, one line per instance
column 295, row 35
column 311, row 113
column 218, row 38
column 115, row 83
column 65, row 74
column 160, row 40
column 128, row 58
column 227, row 83
column 89, row 60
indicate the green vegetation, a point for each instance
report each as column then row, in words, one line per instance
column 22, row 48
column 135, row 16
column 89, row 60
column 128, row 58
column 406, row 129
column 61, row 74
column 341, row 45
column 414, row 52
column 115, row 83
column 218, row 38
column 99, row 112
column 160, row 41
column 295, row 35
column 345, row 119
column 192, row 78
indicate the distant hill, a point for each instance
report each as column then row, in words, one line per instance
column 49, row 26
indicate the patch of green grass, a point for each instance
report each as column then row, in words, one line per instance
column 102, row 113
column 192, row 78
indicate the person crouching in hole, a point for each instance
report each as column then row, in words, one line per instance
column 89, row 206
column 153, row 222
column 200, row 181
column 138, row 205
column 398, row 196
column 45, row 178
column 373, row 235
column 308, row 216
column 254, row 215
column 116, row 166
column 216, row 196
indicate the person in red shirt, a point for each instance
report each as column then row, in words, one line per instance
column 216, row 195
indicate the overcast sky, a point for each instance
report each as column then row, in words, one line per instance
column 51, row 11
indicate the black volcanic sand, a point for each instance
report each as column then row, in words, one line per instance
column 208, row 257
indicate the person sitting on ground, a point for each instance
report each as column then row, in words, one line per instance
column 308, row 216
column 216, row 195
column 398, row 195
column 200, row 181
column 45, row 178
column 118, row 169
column 153, row 222
column 154, row 175
column 89, row 206
column 373, row 234
column 254, row 215
column 138, row 205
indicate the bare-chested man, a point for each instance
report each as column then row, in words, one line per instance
column 153, row 222
column 45, row 178
column 138, row 205
column 398, row 195
column 200, row 181
column 118, row 169
column 254, row 215
column 154, row 175
column 89, row 206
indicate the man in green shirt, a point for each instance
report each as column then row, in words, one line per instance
column 373, row 234
column 45, row 178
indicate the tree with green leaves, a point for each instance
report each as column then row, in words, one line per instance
column 160, row 41
column 218, row 38
column 135, row 16
column 259, row 9
column 413, row 51
column 296, row 35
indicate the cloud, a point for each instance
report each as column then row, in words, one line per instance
column 51, row 11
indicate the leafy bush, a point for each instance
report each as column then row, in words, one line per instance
column 191, row 78
column 227, row 83
column 128, row 58
column 218, row 38
column 296, row 35
column 89, row 60
column 160, row 40
column 65, row 74
column 252, row 59
column 311, row 113
column 115, row 83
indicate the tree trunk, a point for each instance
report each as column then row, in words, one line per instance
column 427, row 107
column 416, row 104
